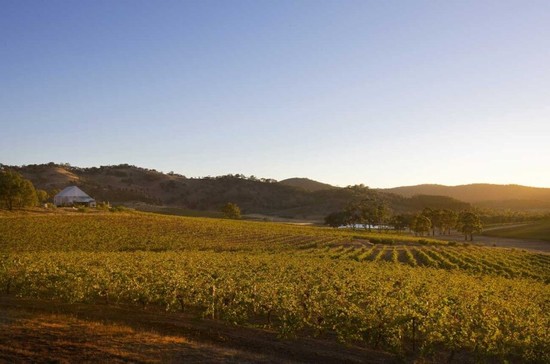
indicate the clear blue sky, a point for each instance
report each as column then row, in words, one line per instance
column 384, row 93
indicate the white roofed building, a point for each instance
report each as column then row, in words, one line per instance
column 71, row 196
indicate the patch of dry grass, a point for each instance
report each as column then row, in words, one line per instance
column 39, row 337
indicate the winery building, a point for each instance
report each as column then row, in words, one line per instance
column 72, row 196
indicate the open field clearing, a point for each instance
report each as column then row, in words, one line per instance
column 505, row 242
column 538, row 230
column 398, row 294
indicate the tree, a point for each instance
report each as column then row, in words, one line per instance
column 420, row 224
column 231, row 211
column 16, row 191
column 449, row 219
column 352, row 212
column 382, row 215
column 437, row 221
column 42, row 196
column 435, row 218
column 367, row 212
column 400, row 222
column 468, row 224
column 336, row 219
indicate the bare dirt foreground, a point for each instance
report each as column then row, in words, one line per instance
column 44, row 332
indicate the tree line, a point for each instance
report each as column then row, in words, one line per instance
column 372, row 213
column 17, row 192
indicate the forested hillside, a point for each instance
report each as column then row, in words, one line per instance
column 130, row 184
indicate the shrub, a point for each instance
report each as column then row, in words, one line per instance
column 388, row 241
column 119, row 209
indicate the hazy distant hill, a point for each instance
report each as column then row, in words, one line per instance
column 306, row 184
column 485, row 195
column 130, row 184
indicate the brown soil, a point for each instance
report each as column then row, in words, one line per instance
column 46, row 331
column 402, row 255
column 388, row 254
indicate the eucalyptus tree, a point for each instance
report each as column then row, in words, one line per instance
column 421, row 224
column 468, row 224
column 16, row 191
column 449, row 220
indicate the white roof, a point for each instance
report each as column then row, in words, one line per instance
column 73, row 191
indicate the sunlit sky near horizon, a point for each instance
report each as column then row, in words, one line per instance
column 385, row 93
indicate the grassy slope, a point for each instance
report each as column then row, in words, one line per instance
column 539, row 230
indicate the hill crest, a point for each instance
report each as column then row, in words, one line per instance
column 306, row 184
column 511, row 196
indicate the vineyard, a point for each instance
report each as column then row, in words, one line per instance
column 477, row 260
column 150, row 232
column 406, row 295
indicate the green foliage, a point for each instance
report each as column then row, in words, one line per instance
column 231, row 211
column 42, row 196
column 119, row 208
column 15, row 191
column 419, row 202
column 448, row 220
column 421, row 224
column 337, row 219
column 489, row 317
column 368, row 212
column 468, row 224
column 400, row 222
column 387, row 241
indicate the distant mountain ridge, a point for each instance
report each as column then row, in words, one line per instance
column 484, row 194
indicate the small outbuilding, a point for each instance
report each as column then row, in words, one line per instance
column 72, row 196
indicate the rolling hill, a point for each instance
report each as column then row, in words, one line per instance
column 299, row 198
column 307, row 184
column 514, row 197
